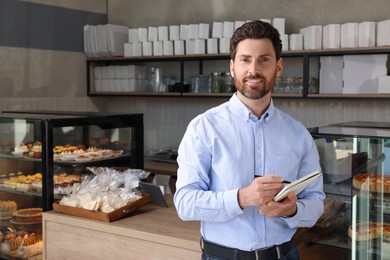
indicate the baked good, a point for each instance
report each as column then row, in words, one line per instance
column 27, row 251
column 10, row 183
column 366, row 231
column 7, row 208
column 372, row 182
column 28, row 215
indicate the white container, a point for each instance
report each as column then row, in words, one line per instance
column 217, row 30
column 137, row 49
column 212, row 46
column 193, row 31
column 284, row 39
column 190, row 47
column 361, row 73
column 125, row 87
column 142, row 34
column 168, row 48
column 331, row 36
column 228, row 28
column 147, row 49
column 204, row 31
column 279, row 24
column 152, row 34
column 178, row 47
column 331, row 74
column 174, row 32
column 296, row 42
column 349, row 35
column 128, row 50
column 162, row 33
column 130, row 71
column 224, row 45
column 384, row 84
column 200, row 46
column 184, row 32
column 312, row 37
column 383, row 33
column 367, row 34
column 97, row 71
column 157, row 48
column 133, row 35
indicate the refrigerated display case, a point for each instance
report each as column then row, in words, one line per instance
column 45, row 155
column 355, row 161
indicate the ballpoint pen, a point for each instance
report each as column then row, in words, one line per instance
column 286, row 182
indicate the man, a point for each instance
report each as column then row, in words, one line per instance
column 234, row 158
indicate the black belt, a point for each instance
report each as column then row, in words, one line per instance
column 269, row 253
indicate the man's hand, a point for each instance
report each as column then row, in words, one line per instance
column 284, row 208
column 261, row 191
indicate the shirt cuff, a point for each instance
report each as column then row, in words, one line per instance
column 231, row 203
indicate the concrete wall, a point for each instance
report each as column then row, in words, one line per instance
column 55, row 79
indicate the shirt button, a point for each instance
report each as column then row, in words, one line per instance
column 258, row 152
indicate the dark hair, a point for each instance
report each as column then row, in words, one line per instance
column 256, row 30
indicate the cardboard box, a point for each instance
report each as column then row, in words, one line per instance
column 217, row 30
column 383, row 33
column 204, row 31
column 174, row 32
column 162, row 33
column 296, row 42
column 384, row 84
column 279, row 24
column 284, row 38
column 367, row 34
column 212, row 46
column 349, row 36
column 101, row 216
column 152, row 34
column 312, row 37
column 331, row 36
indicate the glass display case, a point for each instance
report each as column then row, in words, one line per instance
column 355, row 160
column 45, row 155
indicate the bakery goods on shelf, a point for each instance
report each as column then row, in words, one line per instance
column 369, row 230
column 23, row 182
column 21, row 245
column 7, row 208
column 27, row 216
column 372, row 182
column 65, row 184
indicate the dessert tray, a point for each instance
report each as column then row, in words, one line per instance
column 101, row 216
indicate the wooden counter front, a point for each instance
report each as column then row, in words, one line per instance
column 151, row 232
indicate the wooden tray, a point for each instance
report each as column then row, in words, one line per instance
column 101, row 216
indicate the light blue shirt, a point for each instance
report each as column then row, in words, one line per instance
column 221, row 152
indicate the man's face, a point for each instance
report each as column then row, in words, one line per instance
column 255, row 67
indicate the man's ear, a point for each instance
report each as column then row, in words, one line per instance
column 279, row 67
column 231, row 68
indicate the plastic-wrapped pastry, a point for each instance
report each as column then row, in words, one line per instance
column 25, row 252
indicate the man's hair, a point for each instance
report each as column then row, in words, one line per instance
column 256, row 30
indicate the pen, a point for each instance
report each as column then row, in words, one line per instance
column 285, row 182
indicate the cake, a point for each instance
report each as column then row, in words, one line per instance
column 372, row 182
column 28, row 215
column 7, row 208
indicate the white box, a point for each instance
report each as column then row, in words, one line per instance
column 97, row 71
column 224, row 45
column 331, row 74
column 167, row 48
column 200, row 46
column 367, row 34
column 130, row 71
column 204, row 31
column 157, row 48
column 111, row 72
column 217, row 30
column 142, row 34
column 128, row 50
column 147, row 49
column 152, row 34
column 190, row 46
column 131, row 85
column 133, row 35
column 184, row 32
column 228, row 28
column 212, row 46
column 361, row 73
column 137, row 49
column 312, row 37
column 162, row 33
column 178, row 47
column 174, row 32
column 104, row 72
column 279, row 24
column 383, row 33
column 349, row 35
column 238, row 24
column 384, row 84
column 125, row 87
column 284, row 39
column 193, row 31
column 296, row 42
column 331, row 36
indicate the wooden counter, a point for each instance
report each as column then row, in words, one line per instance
column 151, row 232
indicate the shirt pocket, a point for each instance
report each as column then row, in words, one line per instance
column 286, row 166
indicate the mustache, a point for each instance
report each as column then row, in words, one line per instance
column 256, row 76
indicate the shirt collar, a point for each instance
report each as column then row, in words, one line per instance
column 247, row 114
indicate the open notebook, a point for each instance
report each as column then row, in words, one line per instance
column 298, row 185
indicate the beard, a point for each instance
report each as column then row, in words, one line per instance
column 258, row 92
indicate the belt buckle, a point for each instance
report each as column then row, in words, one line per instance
column 277, row 248
column 257, row 254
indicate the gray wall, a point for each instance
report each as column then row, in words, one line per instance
column 54, row 79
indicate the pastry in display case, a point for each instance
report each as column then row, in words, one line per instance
column 355, row 161
column 45, row 156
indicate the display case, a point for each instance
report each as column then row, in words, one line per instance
column 355, row 161
column 45, row 155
